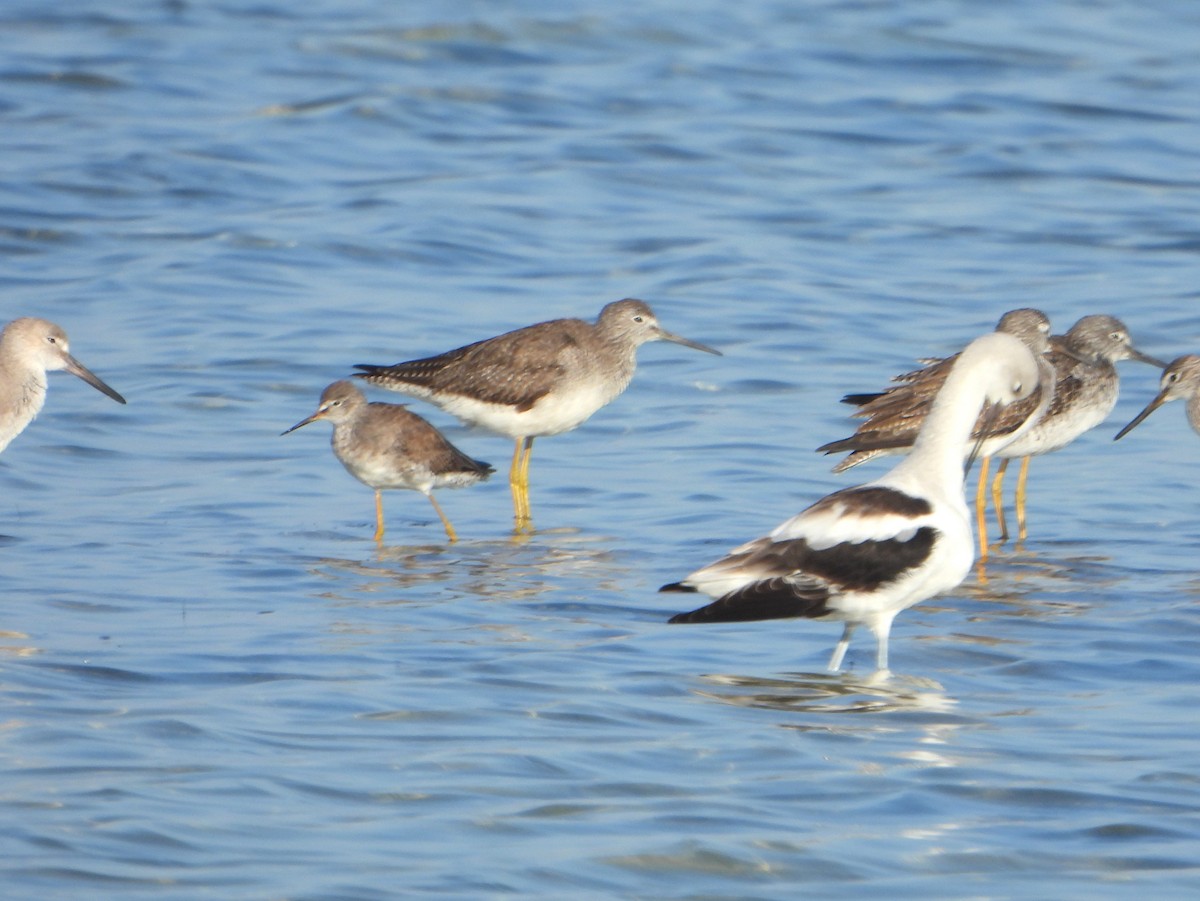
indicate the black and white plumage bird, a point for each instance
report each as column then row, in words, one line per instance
column 861, row 555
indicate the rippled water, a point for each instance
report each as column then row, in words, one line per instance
column 216, row 685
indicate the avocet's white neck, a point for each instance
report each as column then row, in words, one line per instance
column 935, row 464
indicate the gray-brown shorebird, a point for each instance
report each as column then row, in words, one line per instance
column 29, row 348
column 543, row 379
column 1181, row 379
column 388, row 446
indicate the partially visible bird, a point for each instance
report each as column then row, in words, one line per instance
column 1086, row 385
column 893, row 417
column 29, row 348
column 861, row 555
column 1085, row 393
column 1181, row 379
column 543, row 379
column 387, row 446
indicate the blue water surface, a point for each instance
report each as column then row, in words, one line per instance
column 215, row 684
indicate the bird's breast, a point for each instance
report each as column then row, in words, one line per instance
column 564, row 408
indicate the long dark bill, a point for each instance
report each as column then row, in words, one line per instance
column 664, row 335
column 1135, row 354
column 76, row 368
column 991, row 412
column 1137, row 420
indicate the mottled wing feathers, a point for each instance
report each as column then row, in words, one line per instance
column 515, row 369
column 911, row 389
column 407, row 436
column 893, row 418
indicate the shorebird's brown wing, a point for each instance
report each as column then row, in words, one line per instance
column 515, row 369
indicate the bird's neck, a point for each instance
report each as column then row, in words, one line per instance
column 936, row 459
column 31, row 392
column 618, row 359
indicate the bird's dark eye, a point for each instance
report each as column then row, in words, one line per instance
column 638, row 319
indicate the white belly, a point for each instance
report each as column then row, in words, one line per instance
column 557, row 412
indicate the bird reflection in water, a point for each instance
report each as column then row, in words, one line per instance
column 830, row 693
column 499, row 570
column 1029, row 585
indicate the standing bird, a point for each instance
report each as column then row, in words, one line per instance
column 1180, row 379
column 861, row 555
column 1085, row 389
column 29, row 348
column 894, row 416
column 386, row 446
column 1085, row 392
column 543, row 379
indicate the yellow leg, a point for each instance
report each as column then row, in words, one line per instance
column 998, row 498
column 450, row 533
column 378, row 515
column 518, row 482
column 514, row 481
column 1021, row 480
column 981, row 507
column 525, row 458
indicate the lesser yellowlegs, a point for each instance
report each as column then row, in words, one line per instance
column 861, row 555
column 29, row 348
column 388, row 446
column 543, row 379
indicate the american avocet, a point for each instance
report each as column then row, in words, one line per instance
column 543, row 379
column 861, row 555
column 387, row 446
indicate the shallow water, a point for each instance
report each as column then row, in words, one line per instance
column 216, row 684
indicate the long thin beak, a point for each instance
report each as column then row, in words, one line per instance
column 990, row 414
column 303, row 422
column 1137, row 420
column 664, row 335
column 1135, row 354
column 74, row 367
